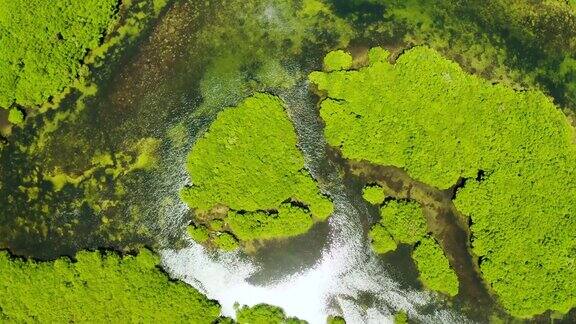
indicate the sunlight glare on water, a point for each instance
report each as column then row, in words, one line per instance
column 344, row 273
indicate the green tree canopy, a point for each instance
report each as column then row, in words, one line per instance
column 248, row 161
column 374, row 194
column 404, row 220
column 427, row 116
column 264, row 314
column 42, row 44
column 98, row 288
column 435, row 271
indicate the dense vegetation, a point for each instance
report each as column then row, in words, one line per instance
column 51, row 195
column 98, row 288
column 248, row 162
column 264, row 225
column 68, row 176
column 138, row 80
column 264, row 314
column 42, row 45
column 425, row 115
column 434, row 268
column 401, row 318
column 520, row 42
column 403, row 222
column 381, row 240
column 337, row 60
column 374, row 194
column 16, row 116
column 335, row 320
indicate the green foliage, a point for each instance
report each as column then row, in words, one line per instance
column 523, row 228
column 249, row 162
column 284, row 29
column 42, row 44
column 373, row 194
column 404, row 221
column 263, row 225
column 401, row 222
column 337, row 60
column 521, row 42
column 215, row 235
column 159, row 5
column 382, row 241
column 198, row 233
column 435, row 271
column 217, row 224
column 225, row 241
column 425, row 115
column 335, row 320
column 98, row 288
column 136, row 17
column 16, row 116
column 264, row 314
column 401, row 318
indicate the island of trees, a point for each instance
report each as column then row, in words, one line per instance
column 403, row 222
column 249, row 181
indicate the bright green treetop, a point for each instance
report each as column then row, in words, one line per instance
column 435, row 271
column 401, row 318
column 198, row 233
column 401, row 222
column 42, row 44
column 225, row 241
column 382, row 241
column 404, row 220
column 335, row 320
column 337, row 60
column 16, row 116
column 264, row 314
column 249, row 162
column 427, row 116
column 98, row 288
column 373, row 194
column 264, row 225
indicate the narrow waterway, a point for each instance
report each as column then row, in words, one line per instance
column 447, row 224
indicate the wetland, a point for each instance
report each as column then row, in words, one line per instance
column 281, row 113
